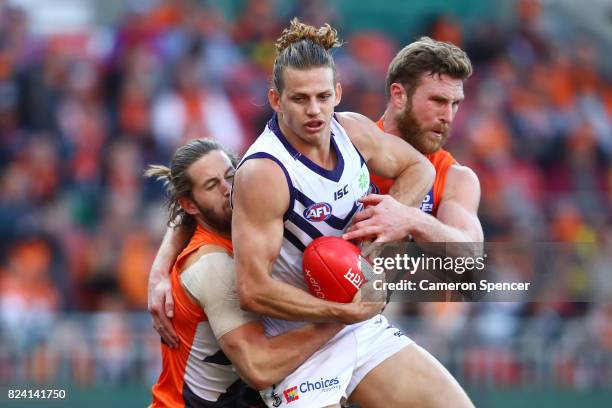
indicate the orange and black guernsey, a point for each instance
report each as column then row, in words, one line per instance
column 441, row 160
column 197, row 373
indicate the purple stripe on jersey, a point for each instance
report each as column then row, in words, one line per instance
column 333, row 221
column 289, row 236
column 333, row 175
column 263, row 155
column 306, row 227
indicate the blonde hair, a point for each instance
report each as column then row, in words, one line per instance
column 303, row 46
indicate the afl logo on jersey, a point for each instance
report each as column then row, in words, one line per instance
column 318, row 212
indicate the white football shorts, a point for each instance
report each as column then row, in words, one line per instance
column 331, row 374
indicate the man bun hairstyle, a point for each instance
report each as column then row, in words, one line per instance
column 302, row 46
column 427, row 56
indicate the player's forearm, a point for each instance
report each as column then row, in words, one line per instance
column 283, row 301
column 175, row 239
column 429, row 229
column 286, row 352
column 287, row 302
column 413, row 184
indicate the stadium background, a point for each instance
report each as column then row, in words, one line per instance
column 92, row 91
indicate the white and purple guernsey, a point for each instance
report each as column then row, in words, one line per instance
column 321, row 202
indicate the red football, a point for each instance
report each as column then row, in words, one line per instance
column 332, row 269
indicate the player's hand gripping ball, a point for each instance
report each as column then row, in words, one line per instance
column 334, row 269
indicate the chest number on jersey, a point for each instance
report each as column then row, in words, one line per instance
column 341, row 193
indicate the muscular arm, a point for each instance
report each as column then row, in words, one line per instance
column 160, row 302
column 391, row 157
column 457, row 218
column 262, row 361
column 260, row 198
column 210, row 281
column 175, row 239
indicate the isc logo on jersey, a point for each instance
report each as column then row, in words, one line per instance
column 318, row 212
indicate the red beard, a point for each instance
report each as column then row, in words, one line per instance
column 411, row 131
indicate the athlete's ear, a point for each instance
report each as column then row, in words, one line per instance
column 338, row 93
column 274, row 99
column 398, row 96
column 188, row 205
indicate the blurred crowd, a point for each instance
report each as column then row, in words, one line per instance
column 82, row 114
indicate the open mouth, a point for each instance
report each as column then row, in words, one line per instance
column 437, row 132
column 314, row 125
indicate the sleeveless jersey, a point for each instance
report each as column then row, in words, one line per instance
column 441, row 160
column 321, row 202
column 197, row 373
